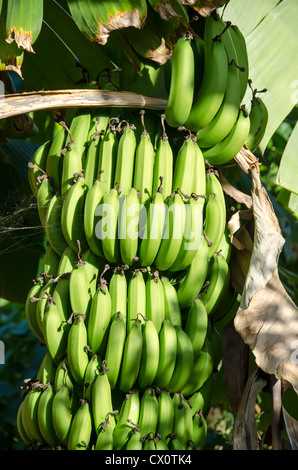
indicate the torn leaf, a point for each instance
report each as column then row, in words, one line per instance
column 205, row 7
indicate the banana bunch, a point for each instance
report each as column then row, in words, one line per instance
column 209, row 77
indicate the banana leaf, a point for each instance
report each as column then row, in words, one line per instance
column 23, row 22
column 97, row 19
column 205, row 7
column 271, row 35
column 11, row 57
column 168, row 9
column 288, row 167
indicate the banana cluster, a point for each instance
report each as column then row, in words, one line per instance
column 208, row 81
column 136, row 275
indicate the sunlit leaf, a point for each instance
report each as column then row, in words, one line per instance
column 23, row 22
column 288, row 167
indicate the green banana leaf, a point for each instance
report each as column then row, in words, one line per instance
column 23, row 22
column 270, row 29
column 11, row 57
column 285, row 178
column 97, row 19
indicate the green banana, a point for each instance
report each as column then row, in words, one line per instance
column 75, row 147
column 108, row 157
column 92, row 152
column 63, row 377
column 224, row 120
column 184, row 362
column 144, row 164
column 37, row 166
column 181, row 92
column 92, row 370
column 148, row 418
column 102, row 406
column 77, row 353
column 20, row 426
column 67, row 261
column 198, row 45
column 148, row 442
column 219, row 279
column 200, row 429
column 225, row 245
column 173, row 233
column 242, row 56
column 201, row 370
column 125, row 158
column 42, row 303
column 47, row 370
column 165, row 415
column 184, row 169
column 258, row 122
column 79, row 283
column 81, row 428
column 99, row 319
column 43, row 198
column 115, row 347
column 129, row 226
column 155, row 301
column 225, row 150
column 167, row 354
column 163, row 164
column 134, row 441
column 175, row 443
column 118, row 291
column 152, row 235
column 107, row 228
column 192, row 283
column 56, row 327
column 136, row 299
column 105, row 437
column 160, row 443
column 201, row 399
column 72, row 214
column 197, row 325
column 215, row 212
column 183, row 420
column 53, row 228
column 129, row 414
column 149, row 357
column 199, row 179
column 51, row 261
column 62, row 413
column 172, row 307
column 215, row 341
column 92, row 264
column 94, row 198
column 54, row 158
column 131, row 357
column 193, row 233
column 44, row 416
column 30, row 413
column 211, row 93
column 31, row 309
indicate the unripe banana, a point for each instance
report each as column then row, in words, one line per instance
column 92, row 370
column 107, row 228
column 131, row 357
column 80, row 294
column 62, row 413
column 125, row 159
column 37, row 166
column 72, row 214
column 30, row 413
column 136, row 299
column 167, row 354
column 215, row 212
column 20, row 426
column 172, row 307
column 129, row 226
column 184, row 362
column 93, row 264
column 31, row 309
column 148, row 412
column 200, row 429
column 43, row 198
column 225, row 150
column 181, row 91
column 175, row 443
column 148, row 442
column 201, row 370
column 102, row 400
column 118, row 291
column 197, row 325
column 183, row 421
column 115, row 347
column 202, row 398
column 77, row 353
column 54, row 158
column 153, row 230
column 105, row 438
column 108, row 158
column 195, row 277
column 99, row 319
column 63, row 377
column 53, row 224
column 81, row 428
column 165, row 415
column 173, row 233
column 67, row 261
column 128, row 415
column 160, row 443
column 243, row 61
column 94, row 198
column 47, row 370
column 185, row 164
column 219, row 279
column 45, row 421
column 144, row 165
column 199, row 179
column 92, row 151
column 150, row 356
column 155, row 301
column 75, row 147
column 134, row 440
column 163, row 165
column 51, row 261
column 56, row 328
column 258, row 117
